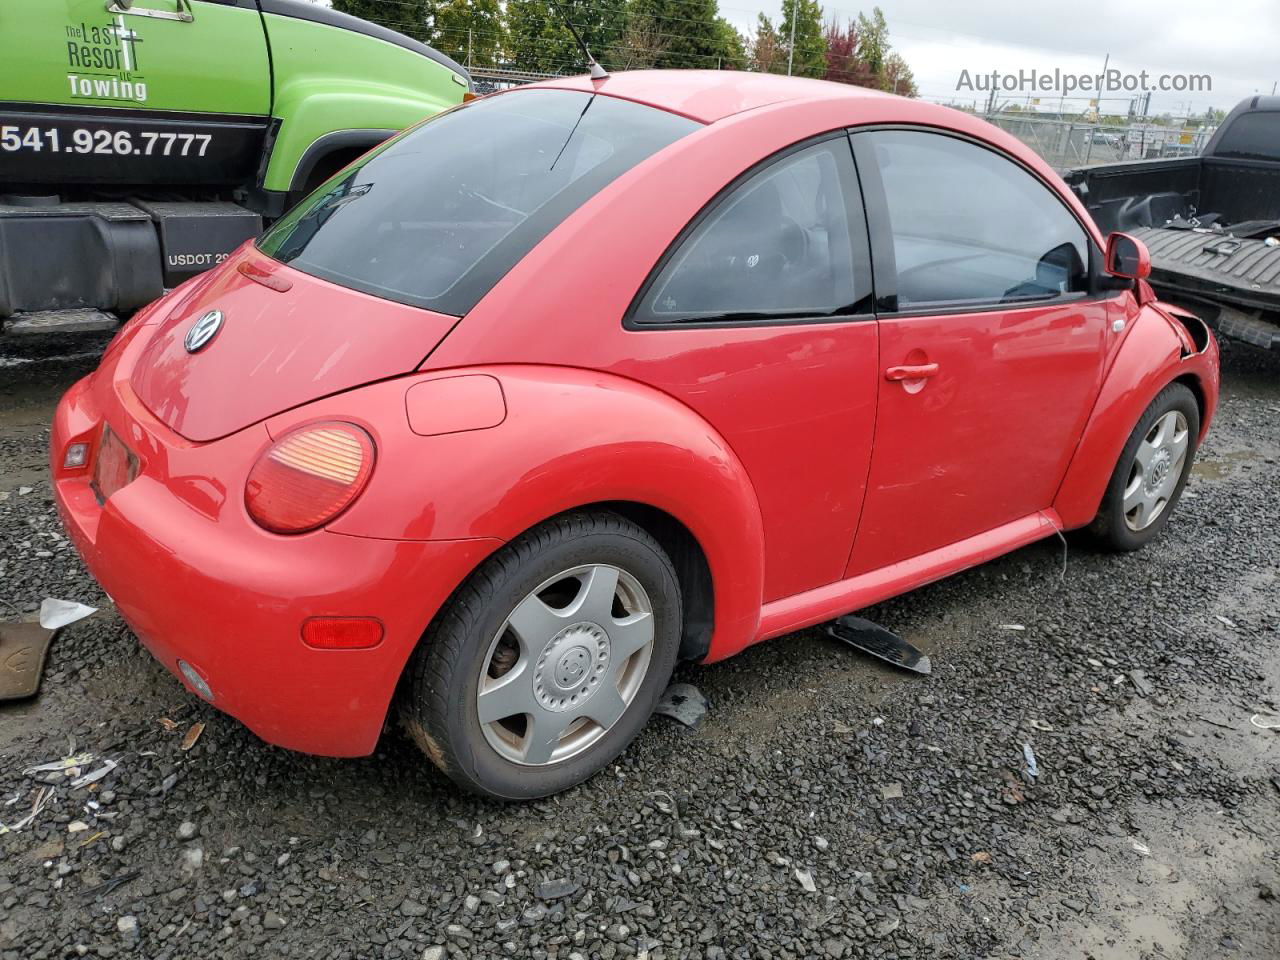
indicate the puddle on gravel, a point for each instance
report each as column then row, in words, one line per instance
column 1225, row 465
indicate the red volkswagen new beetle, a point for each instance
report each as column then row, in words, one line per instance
column 580, row 379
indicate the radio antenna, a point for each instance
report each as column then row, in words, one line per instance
column 597, row 72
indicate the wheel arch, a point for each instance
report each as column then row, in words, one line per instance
column 571, row 439
column 693, row 572
column 1153, row 355
column 1194, row 384
column 331, row 152
column 697, row 587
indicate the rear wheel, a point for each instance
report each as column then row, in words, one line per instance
column 1151, row 473
column 549, row 660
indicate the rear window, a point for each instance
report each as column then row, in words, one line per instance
column 1251, row 136
column 436, row 217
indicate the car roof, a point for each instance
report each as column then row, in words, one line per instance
column 709, row 95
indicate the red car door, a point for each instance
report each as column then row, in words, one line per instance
column 760, row 318
column 991, row 341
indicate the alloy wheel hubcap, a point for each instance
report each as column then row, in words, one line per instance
column 565, row 665
column 1157, row 466
column 571, row 666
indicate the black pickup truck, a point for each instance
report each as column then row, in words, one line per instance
column 1211, row 223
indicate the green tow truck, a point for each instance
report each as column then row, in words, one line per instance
column 141, row 141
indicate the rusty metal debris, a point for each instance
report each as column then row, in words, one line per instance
column 23, row 648
column 192, row 736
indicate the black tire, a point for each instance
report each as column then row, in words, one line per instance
column 1109, row 528
column 437, row 703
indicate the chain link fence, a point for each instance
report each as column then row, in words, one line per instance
column 1073, row 143
column 490, row 79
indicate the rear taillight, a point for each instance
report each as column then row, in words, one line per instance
column 309, row 476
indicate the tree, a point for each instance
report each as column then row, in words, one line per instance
column 873, row 40
column 843, row 63
column 410, row 17
column 859, row 53
column 691, row 30
column 767, row 54
column 640, row 46
column 733, row 45
column 808, row 57
column 470, row 31
column 897, row 77
column 540, row 41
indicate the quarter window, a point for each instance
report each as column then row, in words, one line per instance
column 777, row 245
column 972, row 227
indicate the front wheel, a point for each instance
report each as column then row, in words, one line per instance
column 549, row 660
column 1152, row 470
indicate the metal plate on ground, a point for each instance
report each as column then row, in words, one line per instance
column 683, row 702
column 23, row 648
column 880, row 643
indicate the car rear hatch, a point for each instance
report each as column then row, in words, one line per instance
column 275, row 348
column 384, row 257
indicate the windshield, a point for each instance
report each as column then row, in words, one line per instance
column 436, row 217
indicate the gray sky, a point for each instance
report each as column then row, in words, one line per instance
column 1236, row 42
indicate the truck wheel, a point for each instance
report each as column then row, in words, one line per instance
column 1152, row 470
column 549, row 660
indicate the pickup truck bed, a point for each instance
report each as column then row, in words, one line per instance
column 1239, row 275
column 1211, row 223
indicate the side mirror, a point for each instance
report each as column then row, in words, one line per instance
column 1127, row 257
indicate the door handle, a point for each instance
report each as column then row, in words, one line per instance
column 912, row 371
column 181, row 11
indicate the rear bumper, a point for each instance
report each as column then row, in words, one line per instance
column 198, row 581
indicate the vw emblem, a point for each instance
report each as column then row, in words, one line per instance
column 203, row 330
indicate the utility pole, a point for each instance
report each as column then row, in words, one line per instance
column 791, row 44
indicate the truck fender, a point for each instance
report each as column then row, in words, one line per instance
column 313, row 111
column 1152, row 355
column 355, row 141
column 569, row 438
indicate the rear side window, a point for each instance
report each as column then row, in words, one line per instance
column 1251, row 136
column 971, row 227
column 778, row 245
column 436, row 217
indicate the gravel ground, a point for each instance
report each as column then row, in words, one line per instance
column 828, row 806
